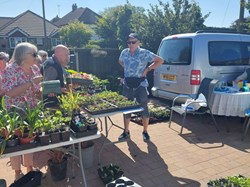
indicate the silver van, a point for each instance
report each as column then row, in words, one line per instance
column 190, row 57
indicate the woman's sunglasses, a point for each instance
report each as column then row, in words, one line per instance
column 34, row 54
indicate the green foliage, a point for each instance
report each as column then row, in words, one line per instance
column 154, row 24
column 31, row 116
column 98, row 82
column 76, row 34
column 10, row 121
column 69, row 102
column 159, row 112
column 181, row 17
column 52, row 120
column 237, row 181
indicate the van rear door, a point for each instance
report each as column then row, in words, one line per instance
column 174, row 74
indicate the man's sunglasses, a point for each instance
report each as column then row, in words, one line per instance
column 132, row 42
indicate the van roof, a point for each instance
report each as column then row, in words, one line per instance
column 205, row 32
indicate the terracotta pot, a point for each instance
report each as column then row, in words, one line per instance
column 27, row 140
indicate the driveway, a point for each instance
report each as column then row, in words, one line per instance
column 169, row 159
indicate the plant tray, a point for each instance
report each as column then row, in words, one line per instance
column 19, row 147
column 80, row 81
column 83, row 133
column 31, row 179
column 111, row 173
column 100, row 111
column 130, row 107
column 123, row 181
column 75, row 128
column 152, row 120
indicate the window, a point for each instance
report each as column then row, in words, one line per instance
column 228, row 53
column 55, row 42
column 15, row 40
column 39, row 41
column 176, row 51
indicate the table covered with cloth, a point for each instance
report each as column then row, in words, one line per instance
column 229, row 102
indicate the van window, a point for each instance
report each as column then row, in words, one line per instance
column 227, row 53
column 176, row 51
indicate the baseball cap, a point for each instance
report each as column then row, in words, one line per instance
column 134, row 36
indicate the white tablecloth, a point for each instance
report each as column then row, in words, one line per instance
column 230, row 104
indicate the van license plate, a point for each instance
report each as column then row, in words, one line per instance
column 169, row 77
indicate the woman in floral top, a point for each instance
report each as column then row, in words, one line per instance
column 21, row 84
column 4, row 57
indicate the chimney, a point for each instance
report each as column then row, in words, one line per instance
column 74, row 7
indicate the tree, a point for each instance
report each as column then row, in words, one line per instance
column 162, row 20
column 159, row 21
column 76, row 34
column 117, row 22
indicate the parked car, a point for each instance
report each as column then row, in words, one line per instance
column 190, row 57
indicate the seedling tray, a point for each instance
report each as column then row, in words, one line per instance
column 79, row 81
column 96, row 112
column 20, row 147
column 130, row 107
column 152, row 120
column 123, row 181
column 83, row 133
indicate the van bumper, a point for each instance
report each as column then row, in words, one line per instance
column 156, row 92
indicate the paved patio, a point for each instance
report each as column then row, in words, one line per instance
column 168, row 160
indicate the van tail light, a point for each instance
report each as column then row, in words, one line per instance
column 195, row 78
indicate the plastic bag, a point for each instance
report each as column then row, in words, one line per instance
column 195, row 106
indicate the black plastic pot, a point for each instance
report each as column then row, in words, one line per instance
column 55, row 137
column 12, row 142
column 58, row 170
column 65, row 135
column 44, row 139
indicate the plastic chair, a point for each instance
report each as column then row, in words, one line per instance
column 206, row 88
column 246, row 124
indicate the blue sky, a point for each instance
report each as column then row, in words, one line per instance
column 223, row 12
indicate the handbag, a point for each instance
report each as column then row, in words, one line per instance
column 134, row 82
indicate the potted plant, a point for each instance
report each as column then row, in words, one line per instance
column 42, row 130
column 10, row 123
column 57, row 165
column 69, row 102
column 32, row 121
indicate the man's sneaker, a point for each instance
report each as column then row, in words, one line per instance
column 145, row 136
column 124, row 136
